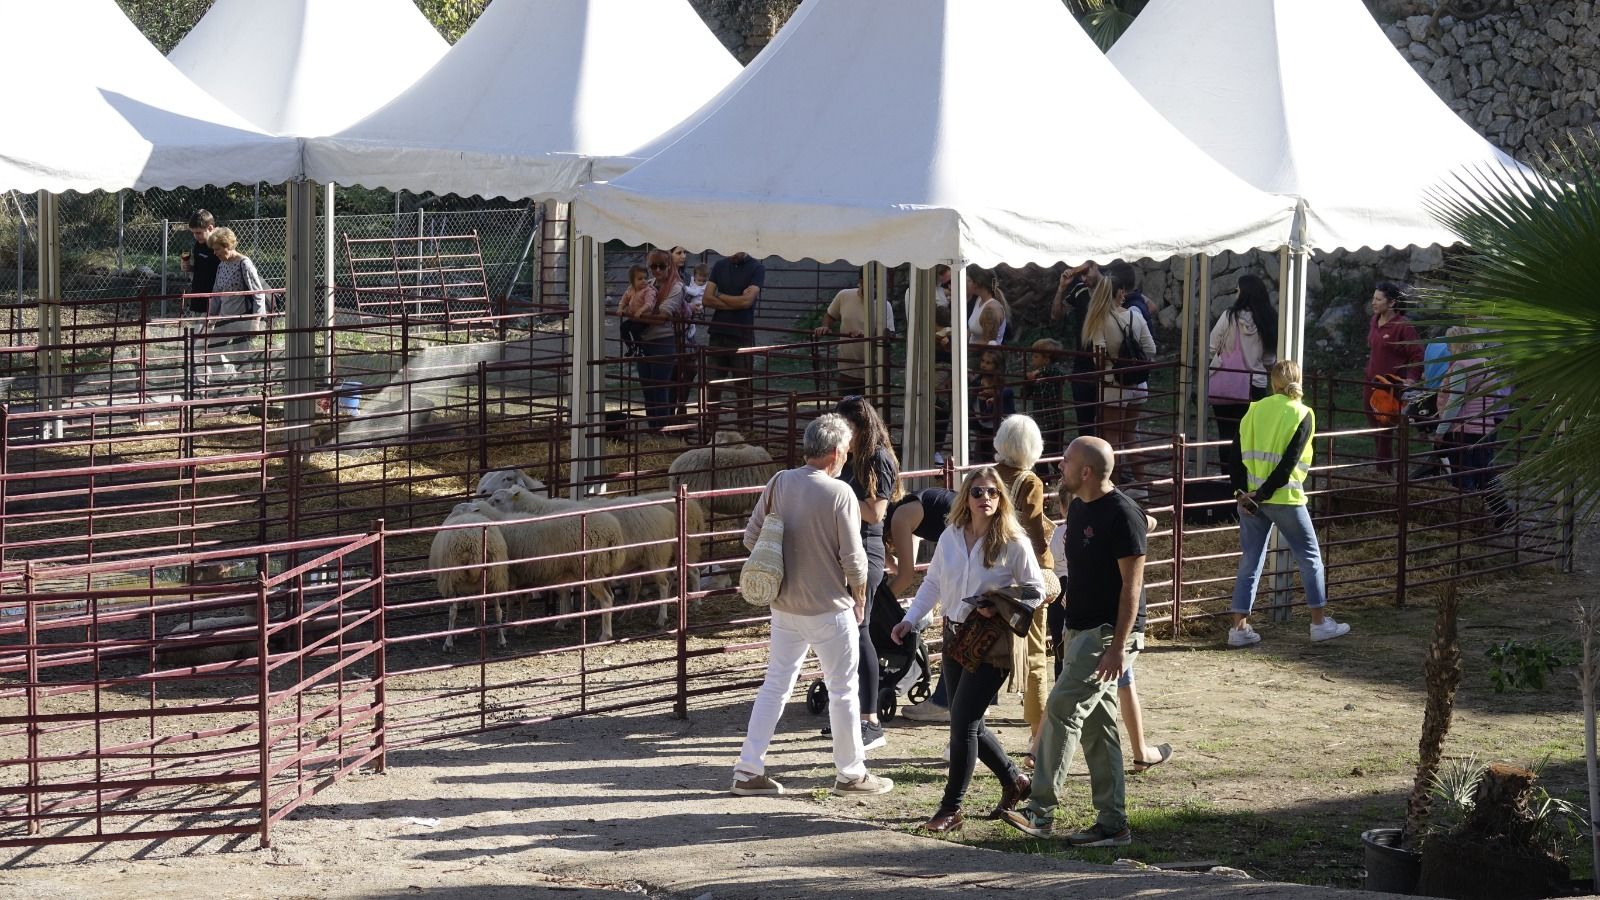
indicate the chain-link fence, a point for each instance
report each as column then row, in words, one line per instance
column 123, row 244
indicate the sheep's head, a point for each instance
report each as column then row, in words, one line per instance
column 509, row 499
column 501, row 478
column 472, row 507
column 728, row 438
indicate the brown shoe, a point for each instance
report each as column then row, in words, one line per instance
column 1013, row 793
column 944, row 821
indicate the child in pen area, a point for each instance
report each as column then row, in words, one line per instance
column 637, row 299
column 1045, row 379
column 993, row 401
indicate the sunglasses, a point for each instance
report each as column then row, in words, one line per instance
column 658, row 265
column 981, row 493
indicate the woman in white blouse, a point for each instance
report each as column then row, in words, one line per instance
column 1107, row 326
column 983, row 549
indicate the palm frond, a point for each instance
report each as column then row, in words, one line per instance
column 1531, row 285
column 1107, row 24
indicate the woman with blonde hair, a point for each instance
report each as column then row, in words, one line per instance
column 1017, row 446
column 1270, row 465
column 983, row 549
column 1108, row 330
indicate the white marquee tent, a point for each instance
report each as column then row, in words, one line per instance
column 532, row 95
column 1250, row 82
column 930, row 131
column 116, row 115
column 926, row 132
column 308, row 67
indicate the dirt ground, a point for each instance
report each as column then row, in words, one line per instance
column 1283, row 754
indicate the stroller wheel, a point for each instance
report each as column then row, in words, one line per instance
column 887, row 704
column 919, row 692
column 817, row 697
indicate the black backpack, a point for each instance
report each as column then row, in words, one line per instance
column 1132, row 355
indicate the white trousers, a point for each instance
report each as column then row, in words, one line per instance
column 834, row 638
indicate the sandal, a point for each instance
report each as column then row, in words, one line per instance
column 1140, row 765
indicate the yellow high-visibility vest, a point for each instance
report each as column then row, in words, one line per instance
column 1264, row 435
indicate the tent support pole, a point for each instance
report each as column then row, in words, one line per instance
column 300, row 306
column 329, row 275
column 586, row 298
column 916, row 441
column 1202, row 335
column 874, row 290
column 1292, row 291
column 960, row 409
column 48, row 220
column 1187, row 351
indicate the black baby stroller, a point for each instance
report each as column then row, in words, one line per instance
column 903, row 667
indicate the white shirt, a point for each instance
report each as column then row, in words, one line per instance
column 956, row 574
column 1058, row 549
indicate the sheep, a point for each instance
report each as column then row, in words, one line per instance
column 464, row 552
column 528, row 539
column 728, row 463
column 202, row 649
column 505, row 478
column 653, row 530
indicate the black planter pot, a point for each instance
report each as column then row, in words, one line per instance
column 1389, row 866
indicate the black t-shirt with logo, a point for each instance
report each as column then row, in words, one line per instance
column 1099, row 534
column 203, row 264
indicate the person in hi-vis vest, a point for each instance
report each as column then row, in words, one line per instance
column 1270, row 464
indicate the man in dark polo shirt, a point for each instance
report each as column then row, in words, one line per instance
column 732, row 291
column 1105, row 546
column 201, row 261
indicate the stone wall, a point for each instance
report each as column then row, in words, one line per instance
column 745, row 26
column 1525, row 74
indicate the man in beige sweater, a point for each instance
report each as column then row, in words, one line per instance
column 820, row 604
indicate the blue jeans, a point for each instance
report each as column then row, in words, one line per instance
column 655, row 379
column 1294, row 523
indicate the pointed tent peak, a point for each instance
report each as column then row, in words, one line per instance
column 1226, row 71
column 887, row 131
column 532, row 93
column 119, row 115
column 308, row 67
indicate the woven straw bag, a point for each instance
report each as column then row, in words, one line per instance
column 762, row 575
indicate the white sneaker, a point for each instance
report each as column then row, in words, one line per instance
column 1243, row 636
column 926, row 711
column 1328, row 629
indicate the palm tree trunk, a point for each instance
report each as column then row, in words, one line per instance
column 1589, row 622
column 1442, row 674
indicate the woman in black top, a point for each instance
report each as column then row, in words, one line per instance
column 873, row 473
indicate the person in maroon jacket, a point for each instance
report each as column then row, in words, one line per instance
column 1395, row 350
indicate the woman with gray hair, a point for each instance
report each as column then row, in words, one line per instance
column 820, row 604
column 1018, row 444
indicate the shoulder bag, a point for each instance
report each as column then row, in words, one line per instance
column 1132, row 356
column 1229, row 382
column 762, row 575
column 982, row 639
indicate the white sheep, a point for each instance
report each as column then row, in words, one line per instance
column 543, row 553
column 506, row 478
column 464, row 553
column 728, row 463
column 652, row 532
column 241, row 644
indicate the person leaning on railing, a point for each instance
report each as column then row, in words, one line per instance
column 1271, row 461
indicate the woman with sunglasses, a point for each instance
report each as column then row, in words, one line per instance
column 658, row 341
column 873, row 473
column 983, row 549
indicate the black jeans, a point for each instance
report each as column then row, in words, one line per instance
column 970, row 696
column 1056, row 625
column 1228, row 416
column 868, row 669
column 1085, row 394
